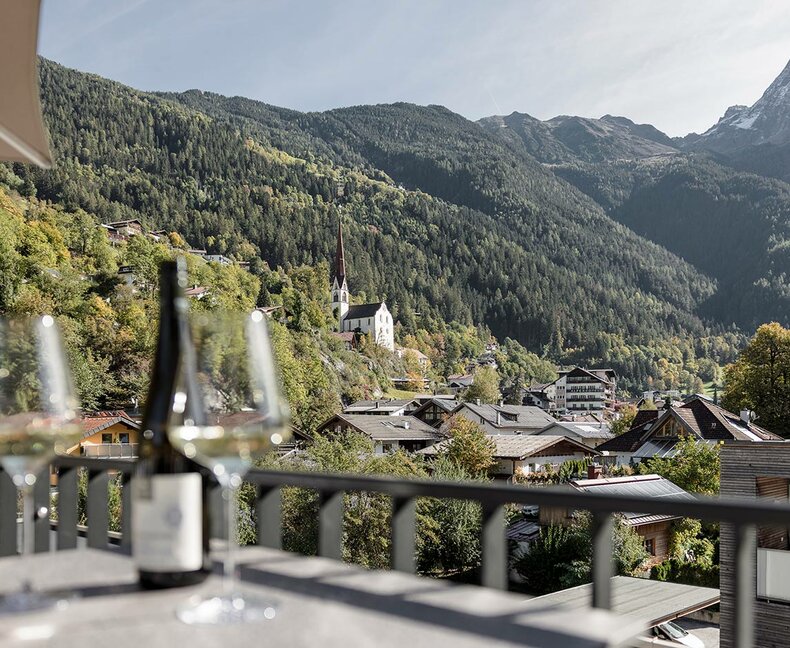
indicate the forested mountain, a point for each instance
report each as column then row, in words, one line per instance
column 732, row 226
column 449, row 220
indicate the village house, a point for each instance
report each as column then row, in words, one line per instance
column 655, row 433
column 591, row 434
column 422, row 360
column 372, row 319
column 505, row 419
column 388, row 433
column 458, row 383
column 383, row 406
column 584, row 390
column 516, row 454
column 436, row 410
column 654, row 529
column 121, row 231
column 107, row 435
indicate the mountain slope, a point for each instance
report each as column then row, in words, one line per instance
column 479, row 233
column 733, row 226
column 567, row 236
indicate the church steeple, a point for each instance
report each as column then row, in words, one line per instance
column 339, row 286
column 340, row 257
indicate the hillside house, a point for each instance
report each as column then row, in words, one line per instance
column 458, row 383
column 655, row 433
column 108, row 435
column 388, row 433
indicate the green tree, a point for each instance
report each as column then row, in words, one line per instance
column 484, row 387
column 695, row 466
column 561, row 557
column 623, row 424
column 760, row 378
column 469, row 447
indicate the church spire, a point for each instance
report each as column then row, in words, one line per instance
column 340, row 260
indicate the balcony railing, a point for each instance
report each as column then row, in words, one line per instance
column 110, row 450
column 743, row 515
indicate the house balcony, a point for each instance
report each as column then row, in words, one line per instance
column 109, row 450
column 345, row 604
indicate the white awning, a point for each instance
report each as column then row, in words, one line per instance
column 22, row 134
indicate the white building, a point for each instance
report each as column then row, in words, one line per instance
column 585, row 390
column 369, row 319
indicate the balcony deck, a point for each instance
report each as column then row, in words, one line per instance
column 319, row 602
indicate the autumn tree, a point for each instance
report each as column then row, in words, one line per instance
column 484, row 387
column 759, row 379
column 469, row 447
column 623, row 424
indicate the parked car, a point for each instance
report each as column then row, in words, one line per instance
column 674, row 633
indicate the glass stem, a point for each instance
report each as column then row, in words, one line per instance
column 229, row 572
column 28, row 520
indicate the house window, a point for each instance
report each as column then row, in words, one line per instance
column 650, row 546
column 123, row 437
column 106, row 438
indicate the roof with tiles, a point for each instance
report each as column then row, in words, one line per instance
column 386, row 428
column 516, row 446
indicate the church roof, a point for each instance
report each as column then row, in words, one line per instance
column 359, row 311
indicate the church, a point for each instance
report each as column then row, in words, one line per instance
column 373, row 319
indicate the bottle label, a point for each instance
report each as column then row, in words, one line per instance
column 167, row 524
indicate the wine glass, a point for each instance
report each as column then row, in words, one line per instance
column 227, row 411
column 38, row 419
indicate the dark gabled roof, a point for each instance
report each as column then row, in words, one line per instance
column 510, row 416
column 447, row 404
column 699, row 417
column 359, row 311
column 645, row 486
column 387, row 428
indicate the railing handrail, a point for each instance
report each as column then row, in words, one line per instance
column 736, row 511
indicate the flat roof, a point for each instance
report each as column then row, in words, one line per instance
column 651, row 602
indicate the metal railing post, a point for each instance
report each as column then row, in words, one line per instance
column 744, row 576
column 268, row 510
column 494, row 548
column 8, row 515
column 68, row 483
column 330, row 524
column 602, row 564
column 403, row 534
column 98, row 513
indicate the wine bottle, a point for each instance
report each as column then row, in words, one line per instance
column 170, row 532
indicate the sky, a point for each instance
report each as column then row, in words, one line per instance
column 675, row 64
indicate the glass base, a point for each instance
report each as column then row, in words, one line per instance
column 27, row 601
column 225, row 609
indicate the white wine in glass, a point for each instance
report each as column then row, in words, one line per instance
column 39, row 418
column 227, row 411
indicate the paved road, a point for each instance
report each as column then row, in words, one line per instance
column 708, row 632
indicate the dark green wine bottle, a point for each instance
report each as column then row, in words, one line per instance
column 170, row 530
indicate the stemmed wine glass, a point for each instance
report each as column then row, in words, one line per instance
column 227, row 411
column 39, row 418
